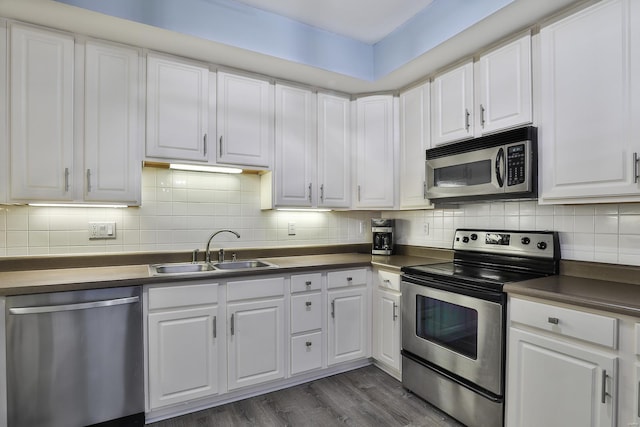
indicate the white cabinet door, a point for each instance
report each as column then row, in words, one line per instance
column 334, row 151
column 544, row 372
column 177, row 109
column 504, row 86
column 295, row 147
column 245, row 120
column 387, row 328
column 256, row 342
column 452, row 105
column 183, row 355
column 41, row 114
column 414, row 141
column 348, row 336
column 4, row 112
column 112, row 131
column 590, row 101
column 374, row 152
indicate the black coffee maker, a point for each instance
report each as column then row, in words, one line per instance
column 382, row 233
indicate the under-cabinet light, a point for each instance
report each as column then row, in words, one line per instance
column 199, row 168
column 303, row 210
column 74, row 205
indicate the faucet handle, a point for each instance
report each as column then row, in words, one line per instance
column 221, row 255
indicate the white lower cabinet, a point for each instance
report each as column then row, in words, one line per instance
column 561, row 376
column 183, row 343
column 387, row 334
column 348, row 325
column 256, row 345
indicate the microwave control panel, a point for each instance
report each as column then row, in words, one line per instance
column 516, row 164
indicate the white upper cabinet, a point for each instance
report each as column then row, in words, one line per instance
column 112, row 124
column 41, row 114
column 504, row 87
column 245, row 120
column 177, row 109
column 590, row 104
column 4, row 111
column 414, row 141
column 295, row 147
column 452, row 105
column 334, row 151
column 375, row 164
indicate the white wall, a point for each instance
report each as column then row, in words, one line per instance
column 603, row 233
column 179, row 211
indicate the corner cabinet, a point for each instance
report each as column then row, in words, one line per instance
column 588, row 124
column 177, row 109
column 183, row 343
column 415, row 138
column 375, row 152
column 89, row 150
column 244, row 120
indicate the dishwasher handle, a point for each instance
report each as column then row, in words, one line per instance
column 72, row 307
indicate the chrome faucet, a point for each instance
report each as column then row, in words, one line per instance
column 207, row 253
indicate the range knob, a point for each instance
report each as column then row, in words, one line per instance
column 542, row 245
column 474, row 236
column 525, row 240
column 465, row 239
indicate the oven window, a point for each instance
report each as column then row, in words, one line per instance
column 452, row 326
column 474, row 173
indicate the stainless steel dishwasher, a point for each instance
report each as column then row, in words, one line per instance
column 75, row 358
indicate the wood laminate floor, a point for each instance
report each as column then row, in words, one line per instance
column 363, row 397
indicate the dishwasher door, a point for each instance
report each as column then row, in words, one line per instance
column 75, row 358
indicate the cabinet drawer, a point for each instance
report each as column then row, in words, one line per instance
column 305, row 282
column 306, row 312
column 337, row 279
column 306, row 352
column 183, row 295
column 259, row 288
column 589, row 327
column 389, row 280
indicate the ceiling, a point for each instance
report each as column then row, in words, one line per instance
column 432, row 34
column 368, row 21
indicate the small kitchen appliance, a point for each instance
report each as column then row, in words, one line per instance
column 454, row 320
column 382, row 234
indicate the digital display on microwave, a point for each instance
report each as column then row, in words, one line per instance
column 463, row 175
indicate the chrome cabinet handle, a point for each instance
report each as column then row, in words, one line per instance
column 553, row 320
column 349, row 279
column 88, row 180
column 307, row 283
column 205, row 144
column 333, row 308
column 308, row 303
column 308, row 343
column 467, row 123
column 220, row 145
column 604, row 387
column 66, row 179
column 322, row 193
column 482, row 115
column 424, row 189
column 358, row 193
column 395, row 315
column 215, row 326
column 232, row 325
column 638, row 399
column 309, row 192
column 636, row 174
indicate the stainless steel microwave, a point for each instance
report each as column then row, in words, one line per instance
column 492, row 167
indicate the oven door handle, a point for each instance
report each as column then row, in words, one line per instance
column 500, row 167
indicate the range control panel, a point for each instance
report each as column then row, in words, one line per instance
column 541, row 244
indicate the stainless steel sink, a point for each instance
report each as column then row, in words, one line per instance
column 181, row 268
column 243, row 265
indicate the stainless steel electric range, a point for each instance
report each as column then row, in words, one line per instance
column 454, row 320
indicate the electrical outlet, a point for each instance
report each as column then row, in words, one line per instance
column 426, row 228
column 102, row 230
column 292, row 229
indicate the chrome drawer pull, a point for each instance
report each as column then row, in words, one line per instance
column 553, row 320
column 308, row 303
column 308, row 343
column 307, row 283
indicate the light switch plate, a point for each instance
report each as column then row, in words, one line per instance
column 102, row 230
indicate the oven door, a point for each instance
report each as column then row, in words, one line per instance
column 462, row 334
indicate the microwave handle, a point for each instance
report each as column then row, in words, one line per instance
column 500, row 167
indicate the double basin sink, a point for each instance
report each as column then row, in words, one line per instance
column 208, row 267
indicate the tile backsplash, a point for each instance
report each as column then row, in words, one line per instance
column 181, row 209
column 607, row 233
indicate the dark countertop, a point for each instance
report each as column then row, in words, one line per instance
column 615, row 297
